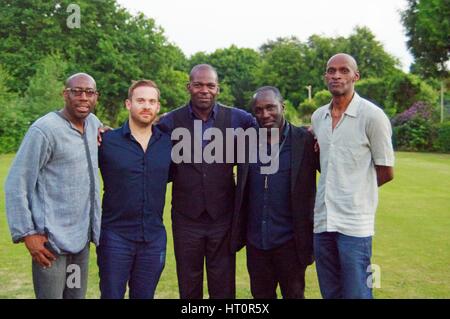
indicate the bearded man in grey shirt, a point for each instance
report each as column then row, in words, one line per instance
column 52, row 192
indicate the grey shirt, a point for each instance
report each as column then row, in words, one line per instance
column 53, row 185
column 347, row 195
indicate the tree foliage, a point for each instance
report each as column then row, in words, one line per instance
column 12, row 123
column 292, row 65
column 111, row 44
column 427, row 25
column 39, row 49
column 237, row 67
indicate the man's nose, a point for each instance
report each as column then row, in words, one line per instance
column 336, row 75
column 146, row 105
column 204, row 89
column 265, row 113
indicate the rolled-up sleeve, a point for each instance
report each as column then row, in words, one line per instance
column 20, row 184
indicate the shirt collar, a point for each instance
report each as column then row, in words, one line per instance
column 211, row 115
column 126, row 129
column 156, row 132
column 72, row 126
column 352, row 109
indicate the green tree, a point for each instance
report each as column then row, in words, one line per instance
column 291, row 113
column 285, row 66
column 44, row 92
column 427, row 25
column 173, row 89
column 237, row 67
column 322, row 97
column 292, row 65
column 373, row 60
column 226, row 96
column 319, row 51
column 12, row 122
column 406, row 89
column 378, row 91
column 111, row 44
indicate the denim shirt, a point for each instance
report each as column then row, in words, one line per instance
column 53, row 185
column 270, row 220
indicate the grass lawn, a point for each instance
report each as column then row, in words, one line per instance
column 411, row 245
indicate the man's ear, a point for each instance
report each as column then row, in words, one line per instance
column 357, row 76
column 218, row 89
column 128, row 104
column 188, row 86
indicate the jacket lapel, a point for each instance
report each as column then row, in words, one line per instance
column 298, row 146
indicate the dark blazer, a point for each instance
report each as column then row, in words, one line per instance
column 304, row 162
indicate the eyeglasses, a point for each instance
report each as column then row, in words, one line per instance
column 79, row 92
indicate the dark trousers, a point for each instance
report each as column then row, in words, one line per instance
column 268, row 268
column 199, row 241
column 122, row 261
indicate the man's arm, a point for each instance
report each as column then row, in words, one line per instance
column 379, row 132
column 384, row 174
column 20, row 185
column 243, row 119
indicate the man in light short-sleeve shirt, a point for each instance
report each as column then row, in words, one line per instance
column 356, row 157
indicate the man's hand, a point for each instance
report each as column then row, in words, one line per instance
column 40, row 254
column 316, row 144
column 102, row 130
column 384, row 174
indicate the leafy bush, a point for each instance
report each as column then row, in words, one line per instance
column 406, row 89
column 11, row 118
column 307, row 107
column 418, row 109
column 413, row 129
column 13, row 127
column 442, row 143
column 373, row 89
column 291, row 113
column 415, row 135
column 322, row 97
column 42, row 96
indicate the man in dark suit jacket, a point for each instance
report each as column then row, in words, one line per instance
column 203, row 192
column 274, row 213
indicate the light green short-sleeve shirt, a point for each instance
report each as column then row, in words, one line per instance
column 347, row 194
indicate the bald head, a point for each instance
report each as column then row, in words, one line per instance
column 346, row 58
column 80, row 76
column 203, row 67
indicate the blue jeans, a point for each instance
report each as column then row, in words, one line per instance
column 121, row 261
column 65, row 279
column 341, row 263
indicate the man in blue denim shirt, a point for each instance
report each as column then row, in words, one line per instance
column 52, row 193
column 134, row 161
